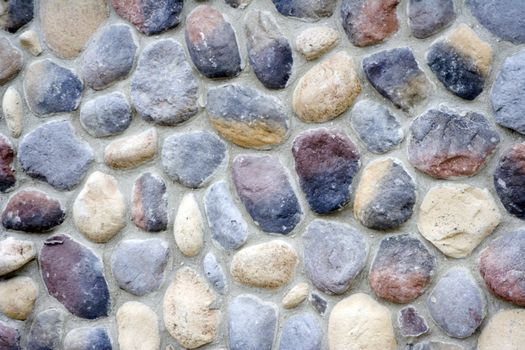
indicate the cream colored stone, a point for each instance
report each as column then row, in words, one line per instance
column 131, row 151
column 99, row 211
column 17, row 297
column 504, row 331
column 457, row 217
column 360, row 323
column 467, row 42
column 189, row 314
column 188, row 227
column 369, row 185
column 30, row 41
column 14, row 254
column 13, row 111
column 138, row 327
column 314, row 42
column 295, row 296
column 266, row 265
column 326, row 90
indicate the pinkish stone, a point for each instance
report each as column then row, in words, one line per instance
column 7, row 172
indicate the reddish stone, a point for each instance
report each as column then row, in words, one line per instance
column 7, row 172
column 150, row 16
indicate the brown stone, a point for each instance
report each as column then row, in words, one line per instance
column 7, row 172
column 10, row 61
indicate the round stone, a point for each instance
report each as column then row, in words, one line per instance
column 505, row 18
column 11, row 60
column 106, row 115
column 411, row 323
column 16, row 14
column 14, row 254
column 456, row 218
column 138, row 327
column 307, row 9
column 149, row 209
column 150, row 17
column 504, row 331
column 427, row 17
column 301, row 331
column 7, row 171
column 214, row 273
column 314, row 42
column 132, row 150
column 295, row 296
column 17, row 297
column 87, row 338
column 509, row 180
column 188, row 227
column 46, row 330
column 13, row 110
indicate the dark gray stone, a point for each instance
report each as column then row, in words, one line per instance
column 106, row 115
column 318, row 302
column 214, row 273
column 149, row 209
column 17, row 14
column 46, row 330
column 505, row 18
column 87, row 338
column 150, row 16
column 7, row 170
column 411, row 323
column 427, row 17
column 309, row 9
column 301, row 331
column 509, row 180
column 9, row 337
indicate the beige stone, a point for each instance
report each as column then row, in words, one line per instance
column 14, row 254
column 30, row 41
column 467, row 42
column 13, row 111
column 189, row 227
column 17, row 297
column 138, row 327
column 99, row 211
column 360, row 323
column 314, row 42
column 326, row 90
column 131, row 151
column 295, row 296
column 504, row 331
column 189, row 314
column 457, row 217
column 266, row 265
column 369, row 184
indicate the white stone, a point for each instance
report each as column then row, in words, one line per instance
column 14, row 254
column 314, row 42
column 17, row 297
column 30, row 41
column 295, row 296
column 504, row 331
column 13, row 111
column 188, row 227
column 131, row 151
column 138, row 327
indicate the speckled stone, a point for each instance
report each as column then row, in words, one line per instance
column 138, row 327
column 318, row 303
column 138, row 265
column 295, row 296
column 74, row 275
column 334, row 254
column 16, row 14
column 150, row 16
column 385, row 196
column 269, row 51
column 17, row 297
column 50, row 88
column 106, row 115
column 266, row 192
column 214, row 273
column 456, row 303
column 9, row 337
column 376, row 126
column 14, row 254
column 212, row 43
column 252, row 323
column 149, row 209
column 411, row 323
column 132, row 150
column 396, row 75
column 369, row 22
column 246, row 117
column 30, row 41
column 188, row 227
column 13, row 110
column 46, row 330
column 164, row 90
column 509, row 180
column 313, row 42
column 109, row 56
column 301, row 331
column 434, row 345
column 427, row 17
column 41, row 155
column 7, row 171
column 504, row 331
column 32, row 211
column 11, row 60
column 307, row 9
column 444, row 143
column 326, row 161
column 193, row 158
column 87, row 338
column 402, row 269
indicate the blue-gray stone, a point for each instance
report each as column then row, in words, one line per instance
column 87, row 338
column 214, row 273
column 318, row 302
column 17, row 13
column 150, row 16
column 309, row 9
column 301, row 331
column 434, row 345
column 427, row 17
column 505, row 18
column 150, row 203
column 46, row 330
column 9, row 337
column 106, row 115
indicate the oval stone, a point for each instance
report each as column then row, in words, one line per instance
column 504, row 331
column 149, row 209
column 427, row 17
column 10, row 337
column 214, row 273
column 315, row 41
column 74, row 275
column 16, row 14
column 150, row 16
column 11, row 60
column 14, row 254
column 509, row 180
column 326, row 162
column 7, row 171
column 132, row 150
column 301, row 331
column 46, row 330
column 13, row 110
column 106, row 115
column 188, row 227
column 138, row 327
column 87, row 338
column 17, row 297
column 308, row 9
column 295, row 296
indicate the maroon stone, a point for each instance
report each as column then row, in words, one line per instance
column 411, row 323
column 9, row 338
column 7, row 172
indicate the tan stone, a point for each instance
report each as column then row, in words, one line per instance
column 314, row 42
column 326, row 90
column 360, row 323
column 17, row 297
column 189, row 314
column 14, row 254
column 99, row 210
column 467, row 42
column 369, row 185
column 189, row 227
column 266, row 265
column 13, row 111
column 137, row 327
column 457, row 217
column 504, row 331
column 295, row 296
column 258, row 134
column 131, row 151
column 30, row 41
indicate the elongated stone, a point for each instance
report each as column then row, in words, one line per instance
column 74, row 275
column 266, row 192
column 503, row 331
column 11, row 60
column 131, row 151
column 434, row 345
column 315, row 41
column 10, row 337
column 149, row 209
column 319, row 303
column 17, row 297
column 150, row 16
column 427, row 17
column 212, row 43
column 7, row 171
column 411, row 323
column 106, row 115
column 509, row 180
column 137, row 327
column 326, row 162
column 14, row 254
column 87, row 338
column 334, row 254
column 269, row 51
column 301, row 331
column 16, row 14
column 13, row 110
column 46, row 330
column 308, row 9
column 188, row 227
column 295, row 296
column 214, row 273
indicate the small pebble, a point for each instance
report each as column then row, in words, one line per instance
column 318, row 302
column 188, row 227
column 46, row 330
column 7, row 171
column 301, row 331
column 16, row 14
column 30, row 40
column 87, row 338
column 307, row 9
column 150, row 17
column 411, row 323
column 428, row 17
column 106, row 115
column 14, row 254
column 509, row 180
column 11, row 60
column 132, row 150
column 314, row 42
column 138, row 327
column 504, row 331
column 295, row 296
column 149, row 210
column 13, row 110
column 17, row 297
column 10, row 337
column 214, row 273
column 238, row 4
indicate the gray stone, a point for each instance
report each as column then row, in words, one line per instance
column 7, row 170
column 9, row 337
column 11, row 61
column 240, row 4
column 411, row 323
column 16, row 14
column 434, row 345
column 509, row 180
column 214, row 272
column 163, row 88
column 427, row 17
column 87, row 338
column 301, row 331
column 150, row 203
column 138, row 265
column 42, row 152
column 150, row 16
column 46, row 330
column 318, row 302
column 309, row 9
column 505, row 18
column 106, row 115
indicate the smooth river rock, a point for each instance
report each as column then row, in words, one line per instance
column 427, row 17
column 11, row 60
column 138, row 327
column 214, row 273
column 301, row 331
column 150, row 16
column 504, row 331
column 132, row 150
column 46, row 330
column 106, row 115
column 188, row 227
column 313, row 42
column 13, row 111
column 306, row 9
column 14, row 254
column 7, row 170
column 295, row 296
column 509, row 180
column 411, row 323
column 16, row 14
column 149, row 209
column 17, row 297
column 87, row 338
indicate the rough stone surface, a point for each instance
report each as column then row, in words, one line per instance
column 9, row 337
column 212, row 43
column 456, row 304
column 411, row 323
column 445, row 144
column 11, row 60
column 509, row 180
column 13, row 111
column 188, row 227
column 247, row 117
column 30, row 40
column 150, row 16
column 295, row 296
column 214, row 273
column 334, row 254
column 41, row 155
column 17, row 297
column 313, row 42
column 138, row 265
column 149, row 209
column 87, row 338
column 137, row 327
column 74, row 275
column 164, row 91
column 427, row 17
column 301, row 331
column 16, row 14
column 7, row 171
column 193, row 158
column 307, row 9
column 402, row 269
column 317, row 103
column 456, row 218
column 318, row 302
column 46, row 330
column 385, row 196
column 106, row 115
column 504, row 18
column 14, row 254
column 504, row 331
column 131, row 151
column 266, row 192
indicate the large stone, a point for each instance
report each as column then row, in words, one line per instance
column 14, row 254
column 315, row 41
column 189, row 315
column 106, row 115
column 150, row 16
column 17, row 297
column 212, row 43
column 247, row 117
column 163, row 88
column 411, row 323
column 132, row 150
column 334, row 254
column 214, row 273
column 307, row 9
column 295, row 296
column 16, row 14
column 87, row 338
column 427, row 17
column 11, row 60
column 149, row 209
column 326, row 162
column 509, row 180
column 188, row 227
column 402, row 269
column 318, row 103
column 138, row 327
column 456, row 218
column 504, row 331
column 7, row 170
column 13, row 110
column 266, row 192
column 74, row 275
column 359, row 322
column 9, row 337
column 41, row 154
column 385, row 196
column 445, row 144
column 301, row 331
column 46, row 330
